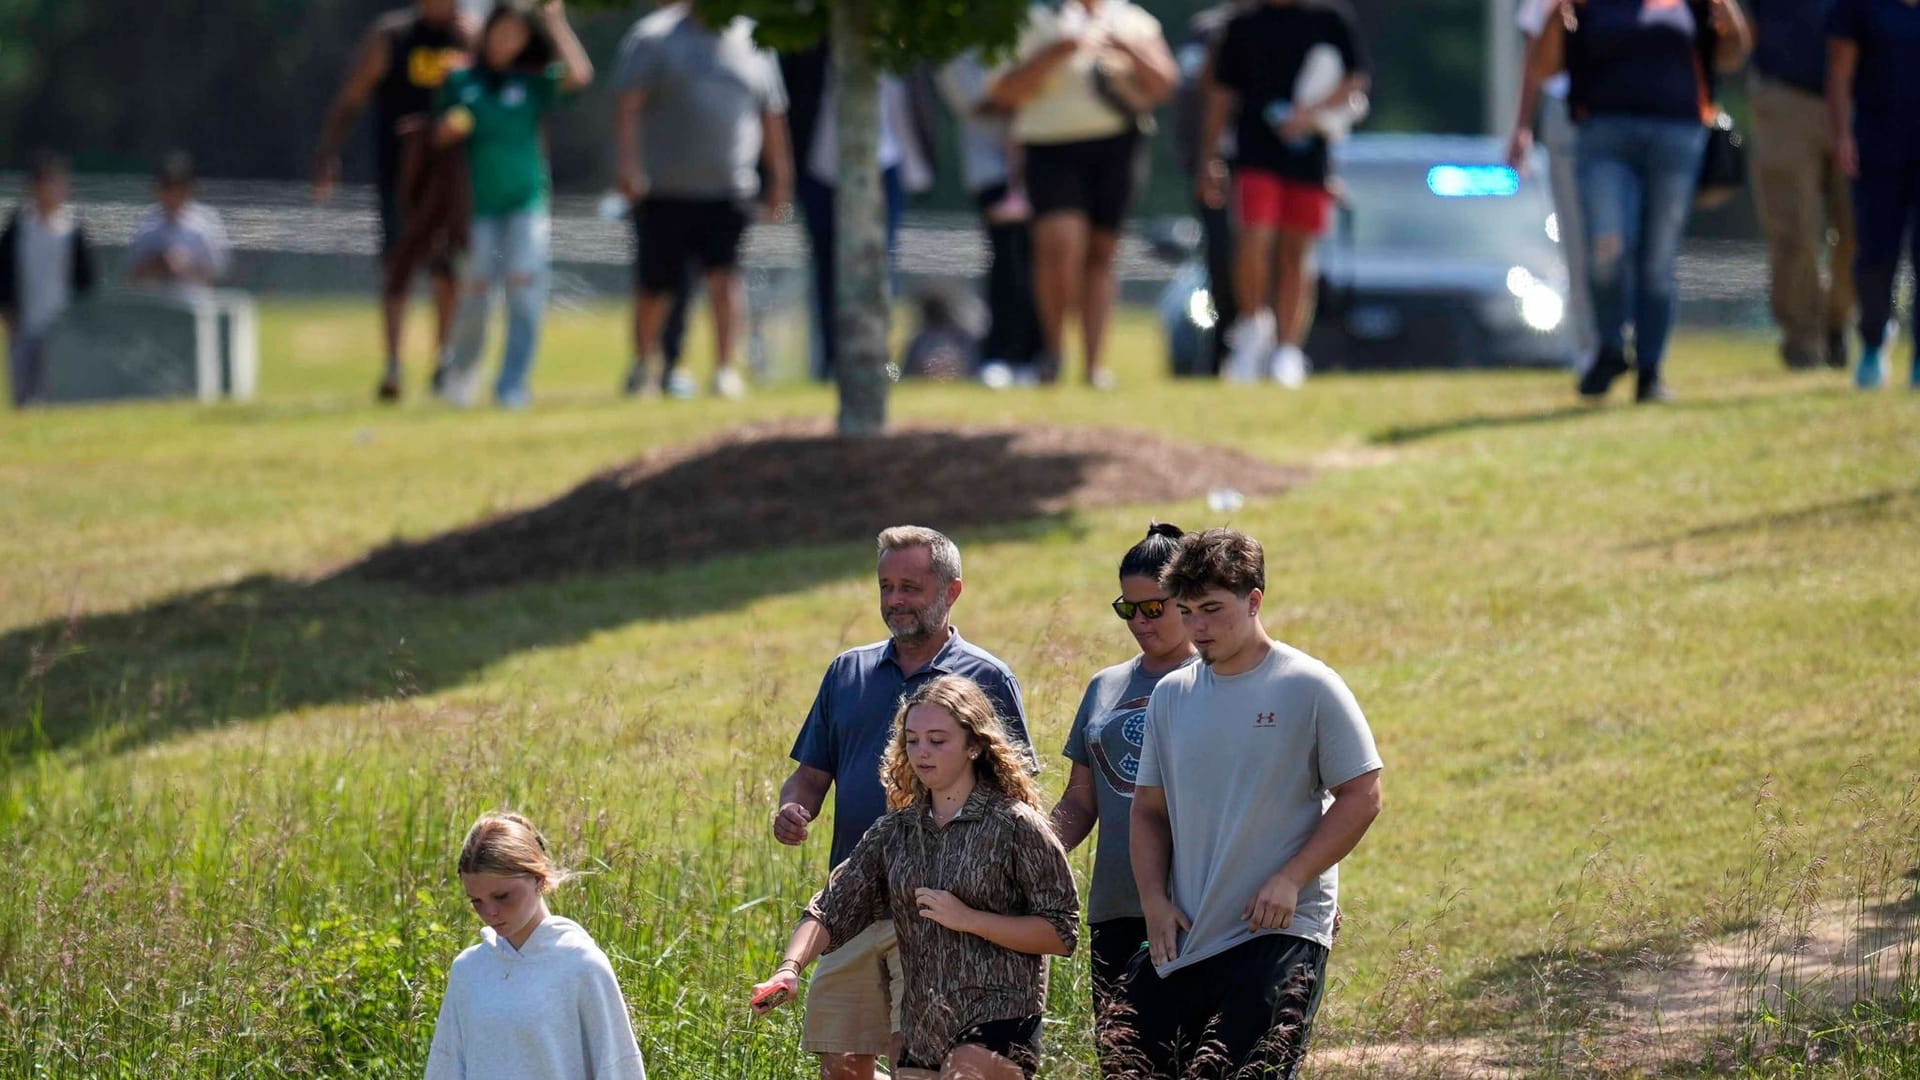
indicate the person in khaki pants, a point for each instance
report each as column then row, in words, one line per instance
column 1800, row 190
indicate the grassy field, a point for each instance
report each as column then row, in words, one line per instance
column 1644, row 679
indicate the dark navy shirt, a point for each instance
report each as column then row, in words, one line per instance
column 846, row 732
column 1886, row 84
column 1639, row 58
column 1791, row 41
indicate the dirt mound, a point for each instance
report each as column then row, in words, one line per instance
column 795, row 483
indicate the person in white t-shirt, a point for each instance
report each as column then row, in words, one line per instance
column 536, row 999
column 1257, row 775
column 1086, row 78
column 180, row 243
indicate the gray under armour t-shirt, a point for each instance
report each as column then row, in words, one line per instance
column 1106, row 739
column 706, row 92
column 1247, row 761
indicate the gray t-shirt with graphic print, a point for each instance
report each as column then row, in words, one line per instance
column 1106, row 739
column 1247, row 762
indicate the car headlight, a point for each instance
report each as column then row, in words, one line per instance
column 1200, row 309
column 1540, row 305
column 1543, row 309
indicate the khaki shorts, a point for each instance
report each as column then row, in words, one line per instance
column 853, row 999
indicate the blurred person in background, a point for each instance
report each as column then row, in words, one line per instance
column 701, row 111
column 987, row 168
column 46, row 264
column 1873, row 104
column 1281, row 70
column 1799, row 187
column 906, row 168
column 402, row 62
column 1083, row 85
column 180, row 242
column 498, row 108
column 1193, row 58
column 1640, row 84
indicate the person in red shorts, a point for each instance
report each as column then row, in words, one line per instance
column 1284, row 71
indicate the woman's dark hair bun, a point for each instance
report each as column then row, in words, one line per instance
column 1154, row 551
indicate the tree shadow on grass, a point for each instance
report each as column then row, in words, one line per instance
column 1901, row 503
column 1401, row 434
column 676, row 535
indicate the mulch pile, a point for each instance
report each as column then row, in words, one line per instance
column 795, row 483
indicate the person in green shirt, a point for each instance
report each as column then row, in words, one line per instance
column 498, row 108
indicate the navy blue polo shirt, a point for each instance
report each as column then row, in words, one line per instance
column 847, row 730
column 1886, row 84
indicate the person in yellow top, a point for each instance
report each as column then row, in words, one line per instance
column 1085, row 79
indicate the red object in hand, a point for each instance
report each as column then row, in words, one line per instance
column 770, row 997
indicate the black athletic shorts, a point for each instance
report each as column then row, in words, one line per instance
column 1247, row 1011
column 1096, row 178
column 675, row 234
column 1016, row 1040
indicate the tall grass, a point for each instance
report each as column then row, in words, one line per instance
column 297, row 917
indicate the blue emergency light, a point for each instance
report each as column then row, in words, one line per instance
column 1472, row 181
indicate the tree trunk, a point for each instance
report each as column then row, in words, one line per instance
column 860, row 235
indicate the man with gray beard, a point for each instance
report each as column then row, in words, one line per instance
column 853, row 1001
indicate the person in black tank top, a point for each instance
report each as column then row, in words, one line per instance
column 1641, row 84
column 402, row 61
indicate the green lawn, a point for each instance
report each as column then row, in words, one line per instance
column 1589, row 641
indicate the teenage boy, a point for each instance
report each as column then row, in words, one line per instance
column 1257, row 775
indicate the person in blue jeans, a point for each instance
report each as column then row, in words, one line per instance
column 1640, row 89
column 1873, row 103
column 499, row 108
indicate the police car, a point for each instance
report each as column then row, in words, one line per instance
column 1442, row 257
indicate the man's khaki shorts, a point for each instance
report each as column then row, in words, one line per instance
column 853, row 1000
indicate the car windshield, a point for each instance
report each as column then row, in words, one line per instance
column 1395, row 208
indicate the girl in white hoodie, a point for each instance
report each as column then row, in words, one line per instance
column 536, row 998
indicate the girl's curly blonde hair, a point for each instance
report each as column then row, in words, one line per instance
column 1001, row 763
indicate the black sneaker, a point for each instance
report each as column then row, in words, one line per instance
column 1607, row 366
column 1649, row 390
column 437, row 383
column 636, row 382
column 1837, row 357
column 1799, row 357
column 388, row 392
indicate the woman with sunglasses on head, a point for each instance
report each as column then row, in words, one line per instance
column 1104, row 747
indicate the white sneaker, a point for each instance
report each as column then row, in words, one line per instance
column 460, row 387
column 728, row 384
column 1289, row 366
column 1251, row 339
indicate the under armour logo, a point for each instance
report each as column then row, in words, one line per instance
column 1265, row 719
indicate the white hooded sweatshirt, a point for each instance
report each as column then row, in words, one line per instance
column 550, row 1009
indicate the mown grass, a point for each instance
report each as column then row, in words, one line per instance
column 1588, row 641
